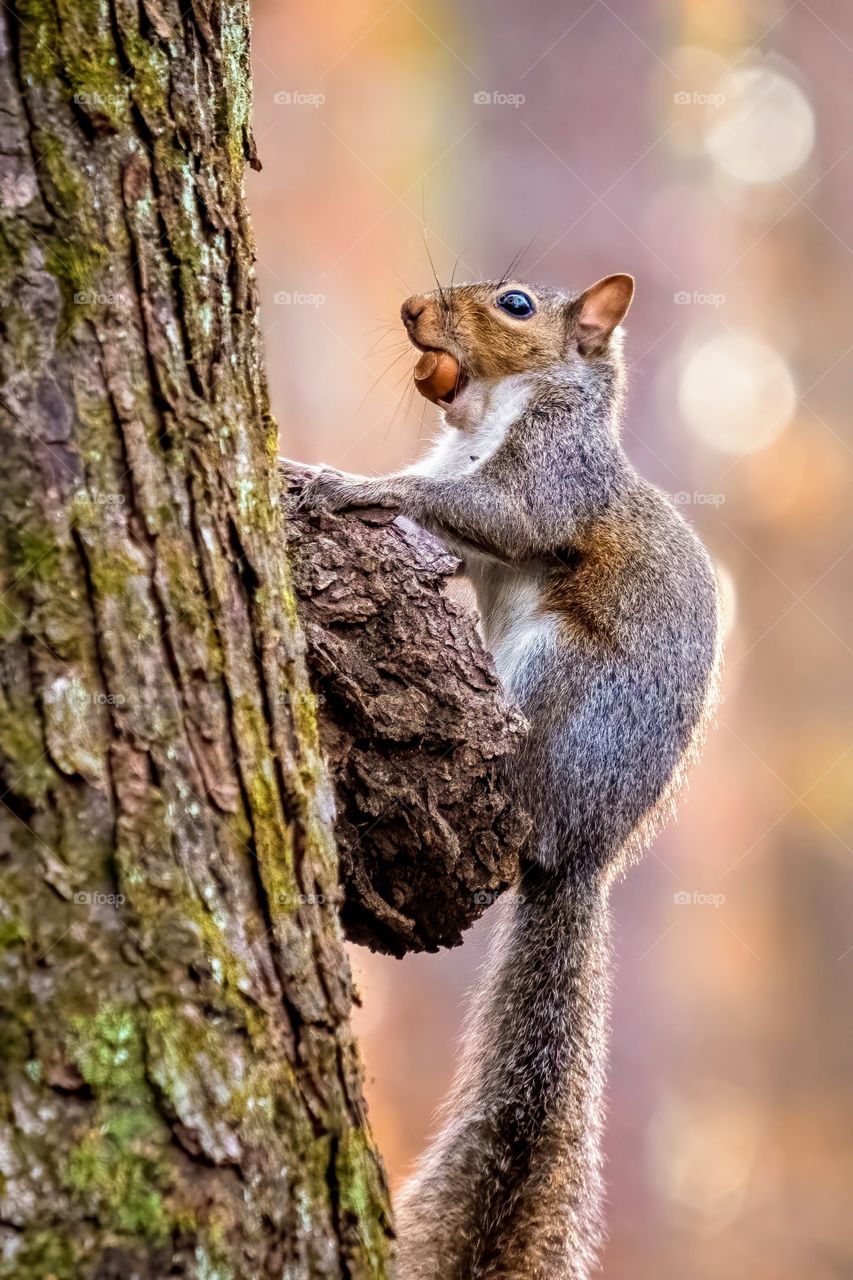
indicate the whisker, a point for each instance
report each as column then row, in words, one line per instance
column 403, row 404
column 380, row 377
column 421, row 423
column 518, row 259
column 396, row 345
column 435, row 274
column 432, row 264
column 404, row 283
column 384, row 324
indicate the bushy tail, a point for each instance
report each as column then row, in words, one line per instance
column 510, row 1186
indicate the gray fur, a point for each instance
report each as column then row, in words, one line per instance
column 600, row 606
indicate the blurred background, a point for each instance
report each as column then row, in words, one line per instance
column 706, row 146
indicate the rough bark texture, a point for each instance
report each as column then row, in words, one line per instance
column 414, row 728
column 180, row 1093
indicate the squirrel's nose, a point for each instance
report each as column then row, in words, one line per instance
column 411, row 309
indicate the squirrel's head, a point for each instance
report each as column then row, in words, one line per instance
column 497, row 329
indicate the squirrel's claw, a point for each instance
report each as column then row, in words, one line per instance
column 328, row 490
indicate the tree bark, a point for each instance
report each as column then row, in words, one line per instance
column 181, row 1094
column 414, row 727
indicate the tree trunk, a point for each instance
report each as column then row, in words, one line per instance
column 181, row 1094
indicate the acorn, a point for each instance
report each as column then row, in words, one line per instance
column 437, row 375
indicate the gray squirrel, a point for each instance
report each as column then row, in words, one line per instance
column 599, row 605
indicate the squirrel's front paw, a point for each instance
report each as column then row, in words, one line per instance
column 325, row 490
column 330, row 490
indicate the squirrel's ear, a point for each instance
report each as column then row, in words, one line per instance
column 598, row 311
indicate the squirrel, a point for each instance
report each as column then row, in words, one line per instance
column 599, row 605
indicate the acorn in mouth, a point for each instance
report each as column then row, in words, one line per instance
column 438, row 377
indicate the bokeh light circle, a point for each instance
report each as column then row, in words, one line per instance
column 765, row 128
column 736, row 393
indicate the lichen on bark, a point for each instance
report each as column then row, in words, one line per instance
column 180, row 1091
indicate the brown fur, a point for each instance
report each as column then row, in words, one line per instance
column 600, row 607
column 488, row 343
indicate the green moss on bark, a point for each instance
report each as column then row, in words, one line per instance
column 362, row 1198
column 48, row 1253
column 117, row 1168
column 28, row 772
column 145, row 454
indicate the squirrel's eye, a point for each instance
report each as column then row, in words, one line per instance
column 515, row 303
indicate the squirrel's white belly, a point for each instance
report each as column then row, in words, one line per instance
column 456, row 453
column 513, row 621
column 489, row 410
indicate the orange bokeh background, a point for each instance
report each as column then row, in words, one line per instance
column 704, row 146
